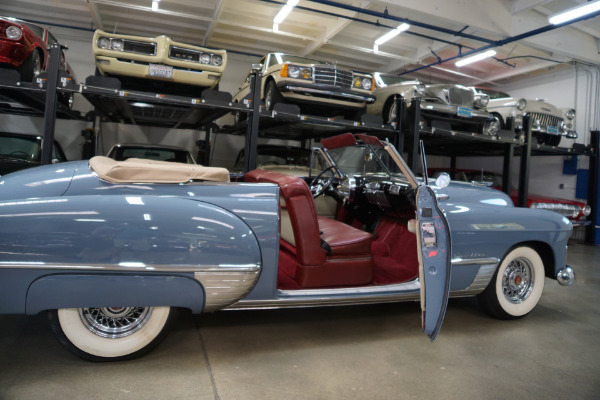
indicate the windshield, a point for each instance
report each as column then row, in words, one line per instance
column 494, row 94
column 366, row 160
column 283, row 58
column 386, row 80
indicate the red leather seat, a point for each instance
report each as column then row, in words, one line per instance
column 343, row 258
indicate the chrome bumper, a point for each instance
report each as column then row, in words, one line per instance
column 566, row 276
column 369, row 99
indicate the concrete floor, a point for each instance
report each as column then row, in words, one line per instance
column 360, row 352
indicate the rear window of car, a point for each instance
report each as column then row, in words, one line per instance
column 494, row 94
column 171, row 155
column 20, row 147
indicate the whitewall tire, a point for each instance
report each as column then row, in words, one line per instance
column 516, row 286
column 111, row 333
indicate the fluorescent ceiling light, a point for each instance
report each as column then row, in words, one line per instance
column 285, row 11
column 154, row 5
column 391, row 34
column 575, row 12
column 475, row 58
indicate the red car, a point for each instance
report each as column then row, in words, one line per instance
column 24, row 46
column 576, row 211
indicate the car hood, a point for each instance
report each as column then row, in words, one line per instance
column 470, row 193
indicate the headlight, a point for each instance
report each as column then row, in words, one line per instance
column 570, row 114
column 116, row 44
column 484, row 100
column 103, row 43
column 293, row 71
column 367, row 83
column 420, row 90
column 521, row 104
column 205, row 58
column 587, row 210
column 306, row 73
column 13, row 32
column 216, row 59
column 356, row 82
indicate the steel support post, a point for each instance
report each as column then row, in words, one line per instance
column 525, row 161
column 509, row 152
column 592, row 234
column 250, row 148
column 51, row 99
column 414, row 133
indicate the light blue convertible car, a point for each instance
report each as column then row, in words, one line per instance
column 112, row 249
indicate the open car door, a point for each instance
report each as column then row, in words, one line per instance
column 434, row 248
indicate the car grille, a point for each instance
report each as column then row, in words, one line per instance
column 544, row 119
column 184, row 54
column 139, row 47
column 461, row 97
column 332, row 75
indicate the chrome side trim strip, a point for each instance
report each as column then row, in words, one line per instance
column 131, row 267
column 330, row 297
column 475, row 261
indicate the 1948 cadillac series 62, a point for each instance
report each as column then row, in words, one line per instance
column 112, row 249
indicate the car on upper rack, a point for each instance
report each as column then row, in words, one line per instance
column 158, row 152
column 111, row 250
column 388, row 88
column 24, row 46
column 548, row 123
column 457, row 108
column 318, row 87
column 576, row 211
column 158, row 63
column 20, row 151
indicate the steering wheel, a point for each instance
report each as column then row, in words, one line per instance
column 317, row 186
column 19, row 153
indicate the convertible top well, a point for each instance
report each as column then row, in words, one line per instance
column 152, row 171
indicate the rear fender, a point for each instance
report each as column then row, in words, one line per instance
column 113, row 290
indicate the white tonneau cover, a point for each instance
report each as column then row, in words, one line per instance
column 137, row 170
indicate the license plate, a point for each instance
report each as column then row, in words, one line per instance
column 553, row 130
column 464, row 112
column 160, row 71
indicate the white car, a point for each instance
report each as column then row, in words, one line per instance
column 387, row 88
column 547, row 121
column 316, row 86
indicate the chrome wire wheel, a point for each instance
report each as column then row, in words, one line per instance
column 517, row 285
column 111, row 333
column 518, row 280
column 115, row 322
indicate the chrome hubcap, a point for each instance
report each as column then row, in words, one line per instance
column 269, row 99
column 115, row 322
column 37, row 66
column 392, row 115
column 517, row 280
